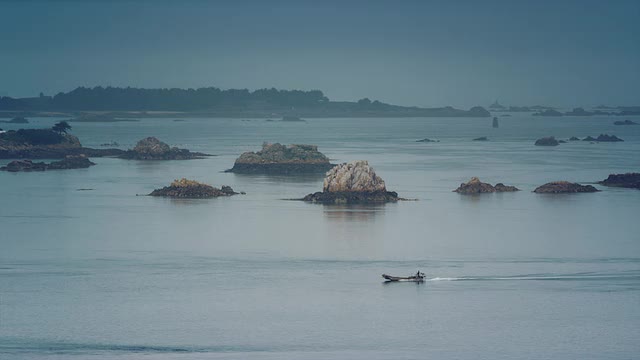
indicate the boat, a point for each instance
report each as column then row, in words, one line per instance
column 418, row 277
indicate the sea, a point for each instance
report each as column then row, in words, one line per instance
column 90, row 268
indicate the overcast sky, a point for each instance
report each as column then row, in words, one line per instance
column 426, row 53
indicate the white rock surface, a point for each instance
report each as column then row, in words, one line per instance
column 354, row 176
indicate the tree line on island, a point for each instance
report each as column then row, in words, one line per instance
column 213, row 100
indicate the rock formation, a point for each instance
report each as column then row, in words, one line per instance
column 603, row 138
column 427, row 140
column 573, row 138
column 608, row 138
column 482, row 138
column 628, row 180
column 475, row 186
column 563, row 187
column 70, row 162
column 153, row 149
column 547, row 141
column 500, row 187
column 280, row 159
column 495, row 122
column 354, row 182
column 45, row 144
column 24, row 165
column 190, row 189
column 625, row 122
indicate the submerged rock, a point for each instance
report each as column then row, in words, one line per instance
column 190, row 189
column 70, row 162
column 547, row 141
column 280, row 159
column 427, row 140
column 475, row 186
column 628, row 180
column 482, row 138
column 354, row 182
column 153, row 149
column 563, row 187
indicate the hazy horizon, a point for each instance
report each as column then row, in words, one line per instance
column 429, row 54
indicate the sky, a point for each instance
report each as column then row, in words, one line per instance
column 423, row 53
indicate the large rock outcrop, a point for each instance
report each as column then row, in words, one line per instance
column 352, row 183
column 475, row 186
column 153, row 149
column 564, row 187
column 70, row 162
column 628, row 180
column 280, row 159
column 190, row 189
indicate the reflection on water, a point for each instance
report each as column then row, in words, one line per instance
column 279, row 179
column 348, row 213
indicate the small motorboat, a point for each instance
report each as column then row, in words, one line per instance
column 418, row 277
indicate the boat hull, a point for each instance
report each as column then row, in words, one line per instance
column 400, row 278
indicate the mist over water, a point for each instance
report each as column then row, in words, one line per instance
column 102, row 273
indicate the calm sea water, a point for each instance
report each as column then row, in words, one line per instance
column 103, row 273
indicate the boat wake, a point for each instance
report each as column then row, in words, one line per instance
column 546, row 277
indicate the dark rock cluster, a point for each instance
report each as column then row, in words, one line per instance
column 628, row 180
column 70, row 162
column 153, row 149
column 190, row 189
column 603, row 138
column 625, row 122
column 475, row 186
column 547, row 141
column 564, row 187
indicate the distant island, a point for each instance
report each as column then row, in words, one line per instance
column 84, row 103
